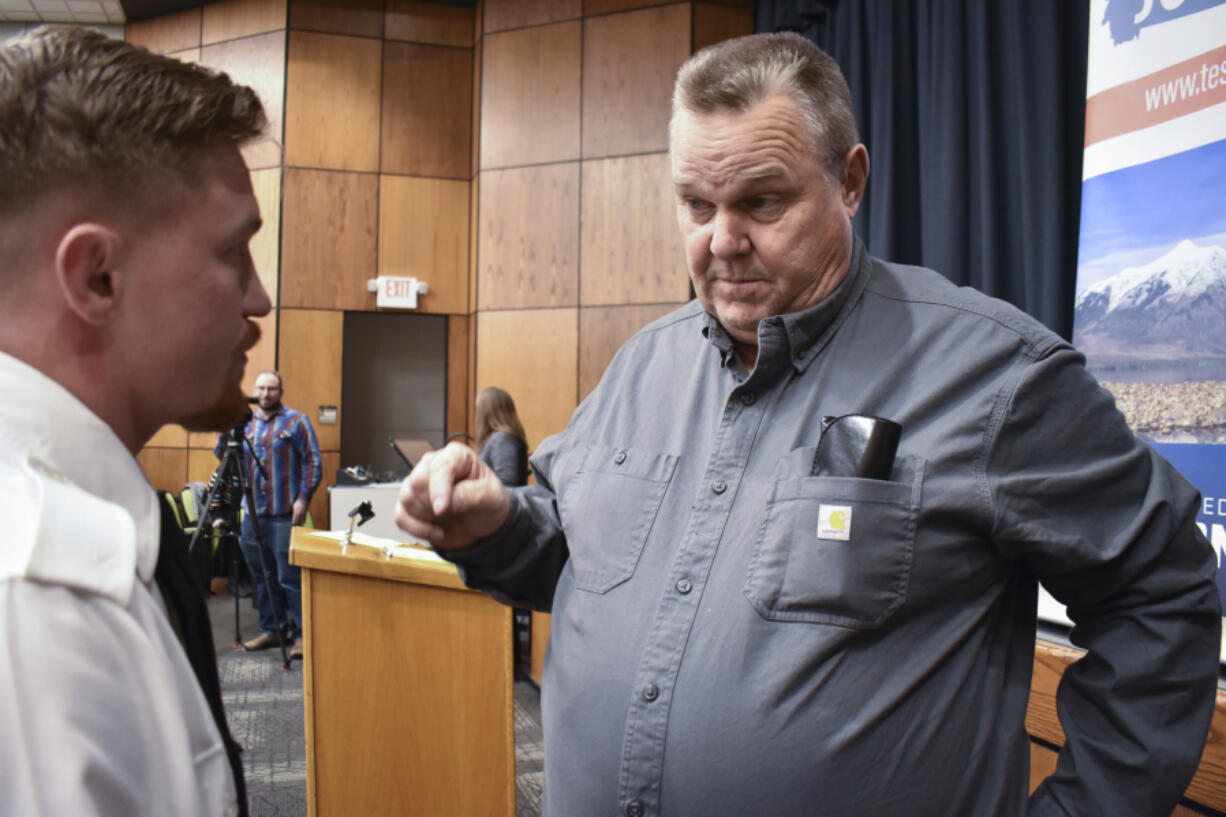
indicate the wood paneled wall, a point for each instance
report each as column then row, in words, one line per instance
column 367, row 169
column 247, row 40
column 378, row 155
column 576, row 238
column 513, row 156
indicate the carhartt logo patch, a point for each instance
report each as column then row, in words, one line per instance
column 834, row 522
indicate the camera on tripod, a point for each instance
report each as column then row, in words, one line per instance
column 227, row 497
column 225, row 486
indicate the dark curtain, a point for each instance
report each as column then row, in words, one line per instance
column 973, row 113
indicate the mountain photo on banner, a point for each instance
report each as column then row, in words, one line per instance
column 1150, row 312
column 1150, row 307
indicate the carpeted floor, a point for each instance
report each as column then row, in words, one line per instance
column 529, row 750
column 264, row 705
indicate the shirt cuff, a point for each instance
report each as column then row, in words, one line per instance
column 491, row 553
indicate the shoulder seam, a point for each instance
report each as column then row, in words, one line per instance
column 1038, row 346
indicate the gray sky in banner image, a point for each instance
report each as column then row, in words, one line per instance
column 1133, row 215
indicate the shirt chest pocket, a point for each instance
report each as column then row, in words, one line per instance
column 274, row 445
column 608, row 511
column 837, row 550
column 282, row 441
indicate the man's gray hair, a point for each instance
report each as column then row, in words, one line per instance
column 737, row 74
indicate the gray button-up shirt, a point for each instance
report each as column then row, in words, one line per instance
column 719, row 646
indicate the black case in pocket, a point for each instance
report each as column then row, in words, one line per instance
column 856, row 445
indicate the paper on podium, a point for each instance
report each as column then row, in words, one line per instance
column 418, row 549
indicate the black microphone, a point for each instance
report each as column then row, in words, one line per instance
column 236, row 433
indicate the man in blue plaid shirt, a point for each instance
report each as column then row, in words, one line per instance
column 284, row 443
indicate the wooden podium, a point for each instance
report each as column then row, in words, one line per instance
column 408, row 687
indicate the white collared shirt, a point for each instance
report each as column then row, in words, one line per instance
column 100, row 712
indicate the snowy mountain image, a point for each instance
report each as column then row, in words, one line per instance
column 1164, row 317
column 1155, row 335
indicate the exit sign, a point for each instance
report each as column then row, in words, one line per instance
column 396, row 292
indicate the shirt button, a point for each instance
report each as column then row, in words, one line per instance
column 719, row 486
column 620, row 457
column 651, row 692
column 748, row 398
column 684, row 586
column 634, row 809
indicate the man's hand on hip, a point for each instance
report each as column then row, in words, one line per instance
column 452, row 499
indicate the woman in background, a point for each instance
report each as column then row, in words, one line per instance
column 500, row 437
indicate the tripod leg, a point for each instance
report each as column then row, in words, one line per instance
column 235, row 553
column 229, row 469
column 272, row 597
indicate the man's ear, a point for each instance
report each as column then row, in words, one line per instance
column 86, row 267
column 854, row 178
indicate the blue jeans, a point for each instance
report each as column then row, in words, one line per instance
column 284, row 579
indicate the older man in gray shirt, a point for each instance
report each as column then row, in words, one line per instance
column 739, row 629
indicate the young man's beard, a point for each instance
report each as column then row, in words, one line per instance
column 222, row 415
column 231, row 405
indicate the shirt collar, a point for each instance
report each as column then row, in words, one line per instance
column 718, row 337
column 56, row 441
column 810, row 330
column 800, row 336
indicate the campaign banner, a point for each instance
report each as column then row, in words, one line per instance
column 1150, row 310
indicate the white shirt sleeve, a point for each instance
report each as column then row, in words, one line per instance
column 100, row 713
